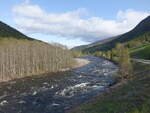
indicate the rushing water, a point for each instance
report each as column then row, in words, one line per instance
column 61, row 94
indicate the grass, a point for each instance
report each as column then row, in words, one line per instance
column 142, row 52
column 132, row 96
column 139, row 48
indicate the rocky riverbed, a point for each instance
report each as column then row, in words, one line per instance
column 57, row 92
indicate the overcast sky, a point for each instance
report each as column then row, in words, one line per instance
column 73, row 22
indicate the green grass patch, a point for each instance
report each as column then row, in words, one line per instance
column 132, row 50
column 142, row 52
column 133, row 96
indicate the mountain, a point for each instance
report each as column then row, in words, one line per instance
column 6, row 32
column 104, row 45
column 82, row 47
column 22, row 56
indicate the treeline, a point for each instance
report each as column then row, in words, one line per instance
column 19, row 58
column 120, row 55
column 139, row 41
column 76, row 53
column 113, row 53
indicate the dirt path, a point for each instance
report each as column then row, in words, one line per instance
column 141, row 60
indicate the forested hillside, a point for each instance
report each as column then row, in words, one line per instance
column 138, row 48
column 22, row 56
column 142, row 28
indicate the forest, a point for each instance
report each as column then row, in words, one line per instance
column 136, row 44
column 20, row 58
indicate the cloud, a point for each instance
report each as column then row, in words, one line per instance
column 73, row 24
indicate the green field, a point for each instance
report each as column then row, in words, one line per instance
column 132, row 96
column 142, row 52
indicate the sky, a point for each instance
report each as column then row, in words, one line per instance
column 73, row 22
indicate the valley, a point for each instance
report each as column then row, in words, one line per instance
column 131, row 96
column 57, row 92
column 46, row 68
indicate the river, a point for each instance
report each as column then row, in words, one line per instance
column 57, row 94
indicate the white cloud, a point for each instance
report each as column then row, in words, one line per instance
column 33, row 19
column 130, row 17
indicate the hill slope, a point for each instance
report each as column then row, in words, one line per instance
column 142, row 52
column 140, row 29
column 6, row 32
column 22, row 56
column 82, row 47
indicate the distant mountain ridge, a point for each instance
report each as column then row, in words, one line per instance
column 6, row 32
column 82, row 47
column 107, row 44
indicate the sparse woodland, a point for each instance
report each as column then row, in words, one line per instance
column 19, row 58
column 121, row 56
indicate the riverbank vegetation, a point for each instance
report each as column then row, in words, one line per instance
column 120, row 55
column 132, row 93
column 77, row 53
column 138, row 48
column 124, row 62
column 132, row 96
column 20, row 58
